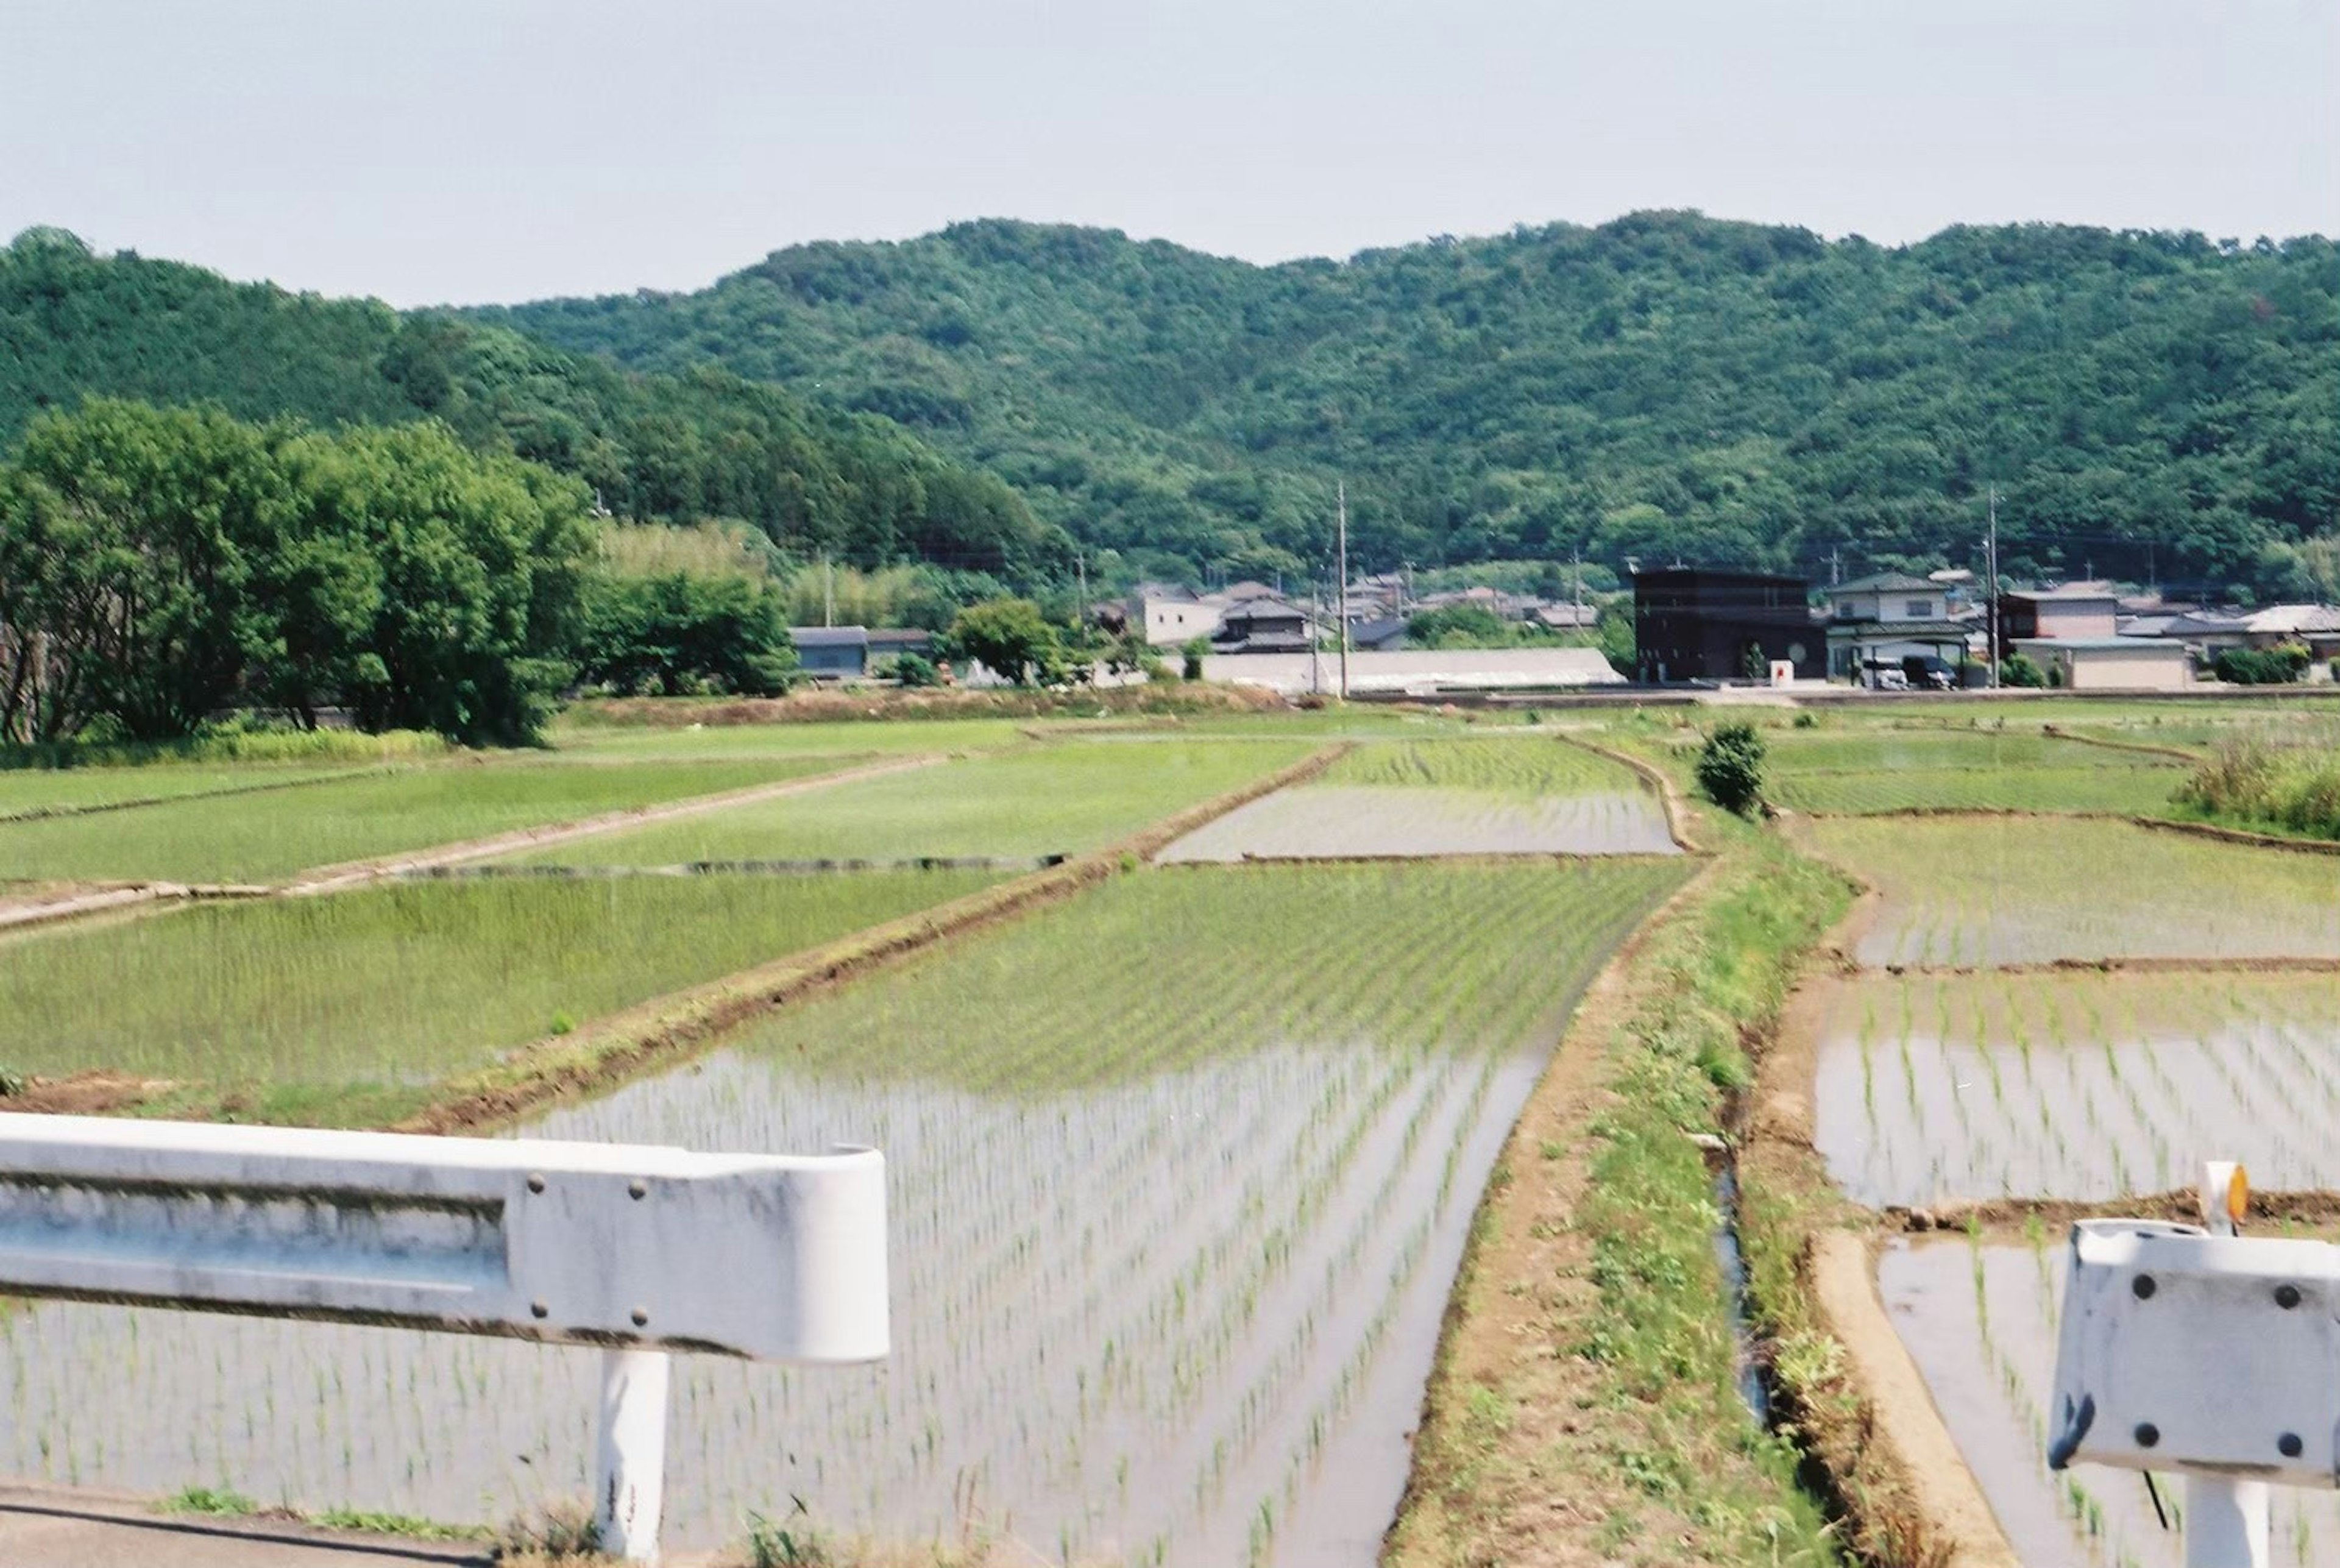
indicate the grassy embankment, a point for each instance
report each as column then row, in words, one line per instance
column 1584, row 1406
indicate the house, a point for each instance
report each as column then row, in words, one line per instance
column 1567, row 617
column 2111, row 663
column 1877, row 622
column 832, row 652
column 850, row 652
column 2208, row 632
column 1262, row 625
column 1694, row 625
column 2086, row 610
column 1378, row 633
column 1168, row 615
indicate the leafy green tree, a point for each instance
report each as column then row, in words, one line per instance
column 683, row 632
column 2020, row 670
column 1731, row 768
column 1011, row 638
column 1459, row 625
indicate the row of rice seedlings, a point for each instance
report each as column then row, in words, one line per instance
column 1324, row 821
column 229, row 838
column 1997, row 891
column 1027, row 802
column 2075, row 1085
column 1511, row 765
column 1225, row 1216
column 399, row 983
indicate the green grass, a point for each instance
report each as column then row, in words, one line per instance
column 399, row 984
column 1529, row 765
column 1037, row 800
column 233, row 838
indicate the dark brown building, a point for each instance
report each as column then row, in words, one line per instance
column 1691, row 624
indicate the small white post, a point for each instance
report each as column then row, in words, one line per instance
column 629, row 1489
column 2225, row 1519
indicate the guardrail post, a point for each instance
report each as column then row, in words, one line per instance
column 2226, row 1519
column 630, row 1491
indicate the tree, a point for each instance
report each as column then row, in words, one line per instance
column 1731, row 768
column 2022, row 670
column 1459, row 625
column 1011, row 638
column 681, row 632
column 175, row 515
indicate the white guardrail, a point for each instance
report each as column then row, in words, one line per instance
column 2195, row 1351
column 638, row 1251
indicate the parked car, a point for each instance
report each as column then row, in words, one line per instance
column 1927, row 673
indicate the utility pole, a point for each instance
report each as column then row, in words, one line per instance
column 1315, row 643
column 1081, row 569
column 1576, row 591
column 1341, row 564
column 1836, row 566
column 1990, row 584
column 828, row 590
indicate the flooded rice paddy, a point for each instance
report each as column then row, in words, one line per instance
column 1507, row 796
column 1980, row 891
column 1979, row 1320
column 1181, row 1172
column 1335, row 821
column 1938, row 1088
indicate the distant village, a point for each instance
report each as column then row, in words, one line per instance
column 1692, row 626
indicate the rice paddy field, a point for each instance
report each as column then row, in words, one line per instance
column 1517, row 795
column 405, row 982
column 1979, row 1319
column 56, row 791
column 240, row 837
column 1879, row 770
column 1033, row 801
column 1966, row 891
column 2089, row 1085
column 1182, row 1171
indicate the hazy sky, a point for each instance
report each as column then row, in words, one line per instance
column 473, row 150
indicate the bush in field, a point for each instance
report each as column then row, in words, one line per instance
column 2021, row 669
column 1190, row 658
column 2278, row 666
column 1731, row 768
column 2248, row 781
column 915, row 671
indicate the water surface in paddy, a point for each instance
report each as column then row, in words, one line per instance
column 1933, row 1089
column 1333, row 821
column 1151, row 1324
column 1980, row 1322
column 1174, row 1214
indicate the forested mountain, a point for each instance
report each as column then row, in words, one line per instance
column 704, row 442
column 1662, row 386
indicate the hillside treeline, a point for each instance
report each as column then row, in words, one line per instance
column 817, row 482
column 2156, row 406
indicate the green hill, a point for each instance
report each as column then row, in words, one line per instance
column 2150, row 404
column 701, row 443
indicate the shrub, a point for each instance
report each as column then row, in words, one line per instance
column 917, row 672
column 1191, row 658
column 1731, row 768
column 2278, row 666
column 2021, row 669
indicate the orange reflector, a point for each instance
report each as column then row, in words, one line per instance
column 2239, row 1195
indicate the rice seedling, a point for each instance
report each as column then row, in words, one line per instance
column 395, row 984
column 1056, row 800
column 2002, row 891
column 2124, row 1083
column 239, row 838
column 1180, row 1171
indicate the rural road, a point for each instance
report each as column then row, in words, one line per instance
column 57, row 1528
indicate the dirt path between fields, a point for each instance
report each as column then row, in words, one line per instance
column 1527, row 1268
column 130, row 899
column 1670, row 798
column 1961, row 1522
column 353, row 873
